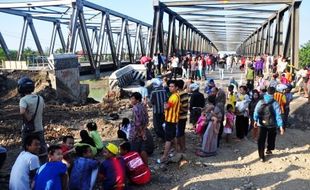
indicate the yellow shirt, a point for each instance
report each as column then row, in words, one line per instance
column 172, row 112
column 232, row 100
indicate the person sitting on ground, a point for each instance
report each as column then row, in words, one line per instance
column 26, row 165
column 87, row 140
column 112, row 172
column 53, row 174
column 123, row 131
column 3, row 152
column 138, row 171
column 93, row 133
column 83, row 168
column 67, row 148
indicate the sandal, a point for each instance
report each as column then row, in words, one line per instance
column 160, row 161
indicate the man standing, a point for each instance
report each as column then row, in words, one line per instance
column 157, row 99
column 267, row 116
column 221, row 66
column 184, row 98
column 137, row 132
column 174, row 66
column 31, row 108
column 172, row 109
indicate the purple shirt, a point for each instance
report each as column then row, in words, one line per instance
column 259, row 64
column 139, row 121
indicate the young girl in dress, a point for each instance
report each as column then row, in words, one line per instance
column 230, row 122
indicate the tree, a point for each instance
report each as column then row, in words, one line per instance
column 2, row 55
column 304, row 54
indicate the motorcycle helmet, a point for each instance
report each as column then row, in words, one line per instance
column 25, row 85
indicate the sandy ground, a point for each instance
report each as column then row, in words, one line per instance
column 236, row 166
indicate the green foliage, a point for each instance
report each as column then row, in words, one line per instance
column 304, row 54
column 2, row 55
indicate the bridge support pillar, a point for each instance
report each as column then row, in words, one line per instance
column 65, row 77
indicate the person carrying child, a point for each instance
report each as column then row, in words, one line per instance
column 53, row 174
column 83, row 168
column 112, row 170
column 93, row 133
column 230, row 122
column 138, row 171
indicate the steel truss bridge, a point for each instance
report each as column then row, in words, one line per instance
column 199, row 26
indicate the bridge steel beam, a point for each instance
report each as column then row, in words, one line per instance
column 4, row 47
column 53, row 39
column 295, row 33
column 274, row 43
column 193, row 35
column 128, row 40
column 120, row 44
column 101, row 41
column 22, row 39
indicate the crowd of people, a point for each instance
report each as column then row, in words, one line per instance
column 186, row 97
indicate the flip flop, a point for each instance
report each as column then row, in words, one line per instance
column 159, row 161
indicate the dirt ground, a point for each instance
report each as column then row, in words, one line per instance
column 236, row 166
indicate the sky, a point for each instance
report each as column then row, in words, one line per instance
column 11, row 26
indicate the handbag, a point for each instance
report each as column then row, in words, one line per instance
column 28, row 126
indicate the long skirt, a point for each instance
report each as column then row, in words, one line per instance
column 209, row 142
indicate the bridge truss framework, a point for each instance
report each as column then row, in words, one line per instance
column 209, row 26
column 99, row 30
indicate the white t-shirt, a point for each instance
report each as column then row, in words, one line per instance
column 30, row 102
column 25, row 162
column 175, row 62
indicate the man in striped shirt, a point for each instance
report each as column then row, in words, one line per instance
column 184, row 99
column 157, row 99
column 172, row 109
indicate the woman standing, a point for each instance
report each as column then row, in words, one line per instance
column 252, row 104
column 210, row 137
column 242, row 118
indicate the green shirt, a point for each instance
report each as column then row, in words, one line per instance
column 97, row 139
column 250, row 74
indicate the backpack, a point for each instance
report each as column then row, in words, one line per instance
column 267, row 116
